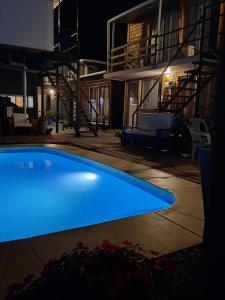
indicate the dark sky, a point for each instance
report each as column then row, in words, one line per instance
column 93, row 19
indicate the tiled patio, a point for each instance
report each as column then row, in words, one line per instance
column 166, row 231
column 107, row 143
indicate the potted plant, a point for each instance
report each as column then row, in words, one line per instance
column 117, row 132
column 42, row 124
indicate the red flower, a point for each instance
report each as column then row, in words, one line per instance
column 127, row 243
column 108, row 246
column 154, row 253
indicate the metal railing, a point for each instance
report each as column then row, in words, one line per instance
column 72, row 70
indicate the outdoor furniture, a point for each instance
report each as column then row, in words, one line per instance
column 22, row 121
column 152, row 129
column 200, row 134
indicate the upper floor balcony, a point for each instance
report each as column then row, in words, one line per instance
column 150, row 34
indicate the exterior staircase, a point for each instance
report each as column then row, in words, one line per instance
column 190, row 87
column 68, row 92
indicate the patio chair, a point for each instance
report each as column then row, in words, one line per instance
column 22, row 121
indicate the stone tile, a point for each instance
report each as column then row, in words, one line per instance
column 17, row 260
column 191, row 223
column 151, row 173
column 189, row 201
column 153, row 232
column 54, row 245
column 174, row 183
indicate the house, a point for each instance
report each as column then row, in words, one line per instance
column 39, row 61
column 26, row 41
column 166, row 52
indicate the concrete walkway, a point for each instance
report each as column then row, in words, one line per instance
column 166, row 231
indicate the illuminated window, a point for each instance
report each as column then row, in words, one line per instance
column 19, row 101
column 30, row 102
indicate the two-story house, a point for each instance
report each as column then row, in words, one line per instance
column 166, row 51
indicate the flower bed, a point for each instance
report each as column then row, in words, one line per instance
column 106, row 272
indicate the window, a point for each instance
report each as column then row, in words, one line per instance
column 151, row 102
column 193, row 12
column 133, row 92
column 18, row 100
column 30, row 102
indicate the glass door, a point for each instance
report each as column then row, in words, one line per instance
column 93, row 98
column 152, row 100
column 104, row 105
column 132, row 100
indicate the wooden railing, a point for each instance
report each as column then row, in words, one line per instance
column 155, row 49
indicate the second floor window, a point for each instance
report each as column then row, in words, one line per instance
column 168, row 40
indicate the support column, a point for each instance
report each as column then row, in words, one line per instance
column 25, row 90
column 159, row 17
column 57, row 100
column 42, row 98
column 108, row 46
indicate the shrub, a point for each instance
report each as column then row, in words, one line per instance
column 107, row 272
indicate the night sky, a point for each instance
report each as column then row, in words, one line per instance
column 93, row 20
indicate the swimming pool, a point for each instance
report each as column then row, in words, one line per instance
column 43, row 191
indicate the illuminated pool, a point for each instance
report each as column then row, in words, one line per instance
column 45, row 191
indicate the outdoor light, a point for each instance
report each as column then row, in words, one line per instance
column 91, row 176
column 168, row 71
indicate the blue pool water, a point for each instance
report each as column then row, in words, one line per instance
column 45, row 191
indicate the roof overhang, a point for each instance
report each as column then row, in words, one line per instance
column 136, row 13
column 33, row 59
column 179, row 65
column 142, row 11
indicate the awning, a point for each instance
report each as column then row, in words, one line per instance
column 179, row 65
column 37, row 60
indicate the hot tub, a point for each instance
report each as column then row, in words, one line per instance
column 43, row 191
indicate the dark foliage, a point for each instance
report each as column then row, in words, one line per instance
column 109, row 272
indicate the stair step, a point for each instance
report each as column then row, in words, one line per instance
column 184, row 89
column 193, row 71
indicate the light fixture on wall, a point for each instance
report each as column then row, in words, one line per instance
column 168, row 71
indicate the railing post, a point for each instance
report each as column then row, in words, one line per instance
column 202, row 44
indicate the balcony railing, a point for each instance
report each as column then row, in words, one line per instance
column 160, row 48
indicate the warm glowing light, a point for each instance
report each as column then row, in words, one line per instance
column 52, row 91
column 168, row 71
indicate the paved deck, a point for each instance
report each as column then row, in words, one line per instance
column 166, row 231
column 106, row 143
